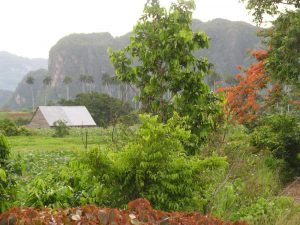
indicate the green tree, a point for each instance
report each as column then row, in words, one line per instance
column 104, row 109
column 90, row 81
column 60, row 129
column 271, row 7
column 160, row 62
column 283, row 38
column 283, row 61
column 47, row 82
column 67, row 81
column 83, row 80
column 30, row 81
column 107, row 82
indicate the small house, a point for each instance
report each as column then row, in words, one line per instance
column 73, row 116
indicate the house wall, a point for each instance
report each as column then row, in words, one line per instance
column 38, row 120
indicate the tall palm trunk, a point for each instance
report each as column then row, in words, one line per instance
column 68, row 92
column 32, row 98
column 45, row 103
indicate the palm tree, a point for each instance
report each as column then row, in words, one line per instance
column 90, row 80
column 84, row 80
column 30, row 81
column 47, row 82
column 67, row 80
column 107, row 81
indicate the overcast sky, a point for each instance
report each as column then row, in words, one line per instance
column 31, row 27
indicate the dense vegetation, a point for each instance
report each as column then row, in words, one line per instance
column 105, row 110
column 229, row 153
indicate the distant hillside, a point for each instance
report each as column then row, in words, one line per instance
column 229, row 42
column 5, row 95
column 13, row 68
column 79, row 54
column 21, row 98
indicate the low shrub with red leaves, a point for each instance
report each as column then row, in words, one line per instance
column 139, row 212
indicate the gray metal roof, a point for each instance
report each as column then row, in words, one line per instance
column 71, row 115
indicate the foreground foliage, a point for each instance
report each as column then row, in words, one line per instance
column 280, row 134
column 8, row 172
column 154, row 165
column 9, row 128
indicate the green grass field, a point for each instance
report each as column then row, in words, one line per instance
column 3, row 115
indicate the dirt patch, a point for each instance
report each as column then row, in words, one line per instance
column 293, row 190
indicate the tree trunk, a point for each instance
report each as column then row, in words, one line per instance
column 32, row 98
column 68, row 93
column 45, row 103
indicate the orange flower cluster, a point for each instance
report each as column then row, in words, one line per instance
column 241, row 100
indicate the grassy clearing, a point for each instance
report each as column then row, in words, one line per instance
column 3, row 115
column 42, row 140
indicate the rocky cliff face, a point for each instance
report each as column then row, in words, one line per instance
column 80, row 54
column 86, row 54
column 83, row 54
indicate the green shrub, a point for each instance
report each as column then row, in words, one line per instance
column 66, row 186
column 8, row 170
column 251, row 175
column 281, row 135
column 60, row 129
column 4, row 149
column 24, row 131
column 265, row 211
column 154, row 165
column 8, row 127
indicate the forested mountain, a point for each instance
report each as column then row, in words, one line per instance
column 79, row 55
column 13, row 68
column 229, row 43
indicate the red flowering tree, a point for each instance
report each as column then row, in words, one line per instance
column 242, row 100
column 246, row 100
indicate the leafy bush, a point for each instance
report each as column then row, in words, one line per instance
column 8, row 170
column 154, row 166
column 60, row 129
column 4, row 149
column 24, row 131
column 281, row 135
column 67, row 186
column 251, row 174
column 266, row 211
column 8, row 127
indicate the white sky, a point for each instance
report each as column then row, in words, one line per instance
column 31, row 27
